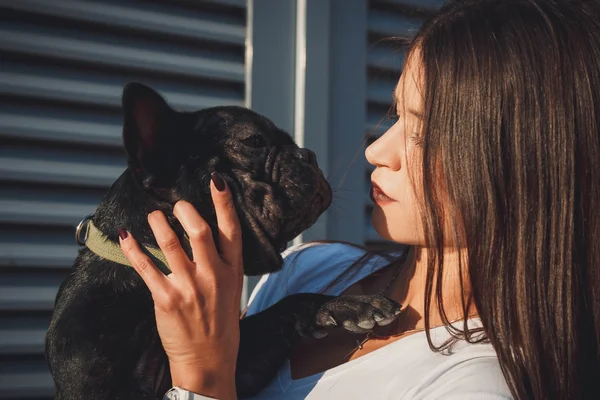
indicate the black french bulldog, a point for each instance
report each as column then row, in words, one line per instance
column 102, row 342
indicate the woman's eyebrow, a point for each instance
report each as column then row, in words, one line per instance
column 397, row 103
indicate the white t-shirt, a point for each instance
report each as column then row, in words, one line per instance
column 404, row 369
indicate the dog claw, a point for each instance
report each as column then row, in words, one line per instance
column 331, row 321
column 367, row 324
column 319, row 334
column 385, row 322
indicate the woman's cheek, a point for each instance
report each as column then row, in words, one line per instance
column 398, row 223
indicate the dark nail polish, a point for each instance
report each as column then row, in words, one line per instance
column 218, row 181
column 123, row 233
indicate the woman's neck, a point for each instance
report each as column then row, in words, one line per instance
column 410, row 287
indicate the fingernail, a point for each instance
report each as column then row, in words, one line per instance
column 123, row 233
column 218, row 181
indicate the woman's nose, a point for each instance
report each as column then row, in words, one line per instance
column 384, row 152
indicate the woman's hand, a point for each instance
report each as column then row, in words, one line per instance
column 197, row 305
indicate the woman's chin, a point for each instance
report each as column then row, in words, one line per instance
column 400, row 232
column 380, row 224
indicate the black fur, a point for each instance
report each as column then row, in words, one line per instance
column 102, row 342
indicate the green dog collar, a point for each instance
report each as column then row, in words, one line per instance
column 89, row 236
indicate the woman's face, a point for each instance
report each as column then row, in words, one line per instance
column 396, row 157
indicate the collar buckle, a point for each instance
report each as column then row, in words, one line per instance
column 81, row 232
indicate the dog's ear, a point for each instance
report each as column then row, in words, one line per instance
column 148, row 133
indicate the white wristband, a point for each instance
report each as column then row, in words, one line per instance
column 177, row 393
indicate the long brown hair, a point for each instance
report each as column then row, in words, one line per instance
column 512, row 122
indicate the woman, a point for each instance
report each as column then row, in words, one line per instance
column 491, row 176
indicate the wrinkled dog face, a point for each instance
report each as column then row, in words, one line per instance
column 278, row 188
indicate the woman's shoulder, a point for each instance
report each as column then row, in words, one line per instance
column 471, row 378
column 311, row 268
column 462, row 371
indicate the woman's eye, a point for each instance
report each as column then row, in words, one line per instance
column 417, row 139
column 255, row 141
column 393, row 113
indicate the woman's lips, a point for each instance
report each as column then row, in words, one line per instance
column 378, row 196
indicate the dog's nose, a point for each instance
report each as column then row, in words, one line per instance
column 308, row 156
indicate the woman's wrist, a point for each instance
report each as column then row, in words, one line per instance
column 213, row 382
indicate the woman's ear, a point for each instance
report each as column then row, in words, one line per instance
column 148, row 132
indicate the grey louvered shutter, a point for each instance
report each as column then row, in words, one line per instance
column 387, row 18
column 63, row 65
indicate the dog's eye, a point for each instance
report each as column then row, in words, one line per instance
column 255, row 141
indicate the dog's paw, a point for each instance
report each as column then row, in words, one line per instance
column 357, row 314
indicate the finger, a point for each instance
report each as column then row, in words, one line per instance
column 230, row 231
column 201, row 240
column 154, row 279
column 168, row 242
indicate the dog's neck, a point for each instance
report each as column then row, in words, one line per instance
column 102, row 246
column 126, row 205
